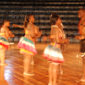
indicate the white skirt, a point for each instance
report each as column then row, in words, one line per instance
column 53, row 54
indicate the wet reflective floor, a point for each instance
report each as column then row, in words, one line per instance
column 12, row 74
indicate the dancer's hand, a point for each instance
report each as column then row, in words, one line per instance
column 19, row 26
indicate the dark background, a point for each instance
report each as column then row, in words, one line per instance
column 15, row 11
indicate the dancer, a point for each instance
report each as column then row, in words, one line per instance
column 5, row 33
column 27, row 43
column 81, row 37
column 53, row 52
column 32, row 20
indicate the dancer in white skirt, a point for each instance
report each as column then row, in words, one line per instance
column 53, row 52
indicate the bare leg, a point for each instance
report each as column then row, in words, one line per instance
column 60, row 69
column 50, row 74
column 27, row 64
column 83, row 61
column 32, row 64
column 2, row 56
column 32, row 61
column 55, row 73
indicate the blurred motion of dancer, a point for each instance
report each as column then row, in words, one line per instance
column 5, row 33
column 27, row 43
column 53, row 51
column 81, row 37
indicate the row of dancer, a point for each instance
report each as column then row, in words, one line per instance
column 52, row 52
column 27, row 44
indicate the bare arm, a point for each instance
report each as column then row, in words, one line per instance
column 20, row 26
column 9, row 33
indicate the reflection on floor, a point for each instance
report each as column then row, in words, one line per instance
column 3, row 81
column 12, row 74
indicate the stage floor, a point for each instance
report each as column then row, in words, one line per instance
column 13, row 72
